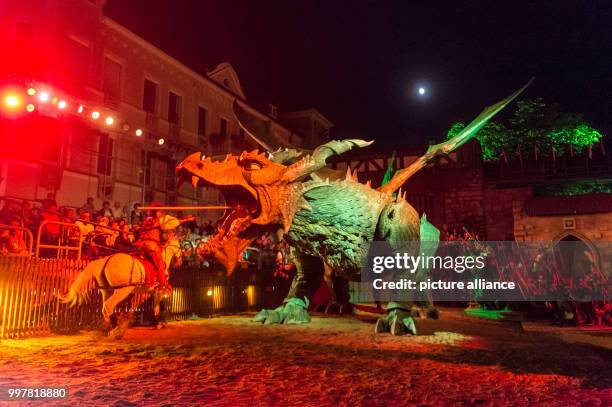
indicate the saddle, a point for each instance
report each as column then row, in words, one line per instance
column 149, row 267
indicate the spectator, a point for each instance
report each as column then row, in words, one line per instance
column 12, row 241
column 69, row 215
column 122, row 223
column 51, row 230
column 27, row 215
column 136, row 217
column 113, row 234
column 9, row 211
column 119, row 211
column 209, row 228
column 264, row 241
column 106, row 210
column 195, row 235
column 125, row 239
column 89, row 205
column 49, row 200
column 102, row 231
column 84, row 224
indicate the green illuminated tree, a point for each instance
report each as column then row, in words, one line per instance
column 534, row 128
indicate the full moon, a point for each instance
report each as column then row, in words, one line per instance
column 421, row 91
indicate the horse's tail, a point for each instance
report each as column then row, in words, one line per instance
column 78, row 290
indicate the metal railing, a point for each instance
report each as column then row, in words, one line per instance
column 64, row 238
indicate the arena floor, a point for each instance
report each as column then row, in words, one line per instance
column 332, row 361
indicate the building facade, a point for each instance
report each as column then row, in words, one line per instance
column 130, row 111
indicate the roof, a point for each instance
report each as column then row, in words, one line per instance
column 569, row 205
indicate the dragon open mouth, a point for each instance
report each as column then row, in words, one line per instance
column 244, row 207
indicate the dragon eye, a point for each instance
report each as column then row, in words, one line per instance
column 251, row 165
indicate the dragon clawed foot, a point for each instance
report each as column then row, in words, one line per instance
column 293, row 311
column 400, row 321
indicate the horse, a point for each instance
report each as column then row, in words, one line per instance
column 117, row 276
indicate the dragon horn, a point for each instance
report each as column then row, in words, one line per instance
column 316, row 161
column 283, row 156
column 446, row 147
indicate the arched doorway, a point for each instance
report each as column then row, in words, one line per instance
column 575, row 256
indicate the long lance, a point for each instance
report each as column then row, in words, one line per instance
column 184, row 208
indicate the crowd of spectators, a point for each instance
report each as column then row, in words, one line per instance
column 111, row 228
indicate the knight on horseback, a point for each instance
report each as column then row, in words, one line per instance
column 150, row 241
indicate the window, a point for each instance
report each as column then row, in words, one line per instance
column 149, row 97
column 112, row 78
column 105, row 154
column 202, row 121
column 77, row 59
column 170, row 176
column 24, row 33
column 145, row 165
column 223, row 128
column 174, row 108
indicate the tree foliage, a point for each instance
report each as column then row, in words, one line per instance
column 533, row 128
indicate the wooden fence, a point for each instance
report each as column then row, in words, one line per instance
column 29, row 303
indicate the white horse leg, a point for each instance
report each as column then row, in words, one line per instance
column 109, row 306
column 118, row 295
column 106, row 312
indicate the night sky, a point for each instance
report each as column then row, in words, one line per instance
column 360, row 62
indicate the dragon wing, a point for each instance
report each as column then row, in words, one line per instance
column 446, row 147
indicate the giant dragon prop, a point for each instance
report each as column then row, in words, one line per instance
column 324, row 221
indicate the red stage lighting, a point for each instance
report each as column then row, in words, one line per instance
column 161, row 141
column 30, row 108
column 138, row 132
column 61, row 104
column 31, row 91
column 80, row 109
column 95, row 115
column 109, row 121
column 43, row 96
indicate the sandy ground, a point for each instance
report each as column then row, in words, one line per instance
column 332, row 361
